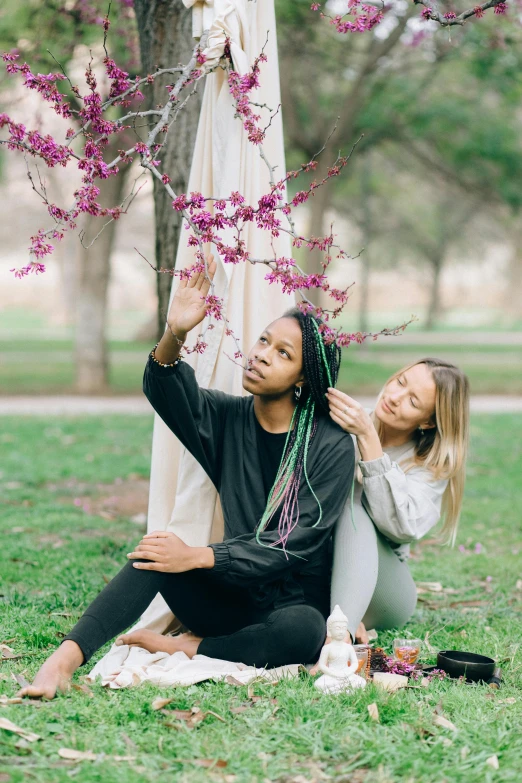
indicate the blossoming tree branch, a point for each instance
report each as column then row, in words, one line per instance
column 205, row 215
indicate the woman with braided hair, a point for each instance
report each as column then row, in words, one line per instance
column 283, row 470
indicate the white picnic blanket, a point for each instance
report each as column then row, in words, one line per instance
column 130, row 666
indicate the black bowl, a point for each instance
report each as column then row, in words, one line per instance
column 475, row 668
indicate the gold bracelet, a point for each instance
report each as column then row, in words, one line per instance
column 161, row 364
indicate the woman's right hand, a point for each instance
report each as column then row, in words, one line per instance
column 188, row 308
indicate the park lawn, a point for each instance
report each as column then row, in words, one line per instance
column 46, row 366
column 57, row 556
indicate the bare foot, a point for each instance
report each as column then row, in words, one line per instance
column 56, row 673
column 361, row 634
column 157, row 642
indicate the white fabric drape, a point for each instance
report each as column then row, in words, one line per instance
column 182, row 498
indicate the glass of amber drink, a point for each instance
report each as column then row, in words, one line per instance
column 361, row 651
column 406, row 650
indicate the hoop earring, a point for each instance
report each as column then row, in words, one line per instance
column 297, row 393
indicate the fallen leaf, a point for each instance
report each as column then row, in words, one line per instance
column 5, row 777
column 160, row 702
column 519, row 584
column 77, row 755
column 447, row 742
column 509, row 700
column 7, row 725
column 373, row 712
column 241, row 708
column 492, row 761
column 191, row 717
column 429, row 587
column 231, row 680
column 179, row 714
column 82, row 688
column 203, row 762
column 196, row 718
column 444, row 723
column 7, row 652
column 5, row 700
column 20, row 679
column 10, row 657
column 464, row 753
column 210, row 712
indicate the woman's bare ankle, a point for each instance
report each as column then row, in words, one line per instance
column 69, row 655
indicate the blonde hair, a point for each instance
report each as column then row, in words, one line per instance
column 443, row 449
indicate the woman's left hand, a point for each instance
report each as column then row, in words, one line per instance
column 166, row 552
column 349, row 414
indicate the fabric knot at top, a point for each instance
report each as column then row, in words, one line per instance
column 202, row 15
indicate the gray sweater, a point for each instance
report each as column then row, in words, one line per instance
column 402, row 506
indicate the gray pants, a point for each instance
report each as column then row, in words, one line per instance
column 369, row 582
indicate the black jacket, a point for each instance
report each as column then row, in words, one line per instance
column 219, row 430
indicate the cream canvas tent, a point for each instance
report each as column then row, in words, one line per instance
column 182, row 498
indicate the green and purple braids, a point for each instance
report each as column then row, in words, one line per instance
column 321, row 369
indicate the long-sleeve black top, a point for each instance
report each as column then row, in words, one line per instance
column 220, row 431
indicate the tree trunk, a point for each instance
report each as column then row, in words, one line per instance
column 94, row 265
column 367, row 230
column 434, row 308
column 318, row 205
column 364, row 325
column 513, row 297
column 165, row 31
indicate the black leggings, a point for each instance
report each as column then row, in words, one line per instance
column 232, row 627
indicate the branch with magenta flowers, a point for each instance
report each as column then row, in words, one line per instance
column 363, row 16
column 95, row 130
column 205, row 216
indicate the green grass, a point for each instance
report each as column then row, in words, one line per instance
column 46, row 366
column 55, row 558
column 368, row 377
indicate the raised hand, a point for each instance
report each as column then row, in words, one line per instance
column 348, row 413
column 188, row 308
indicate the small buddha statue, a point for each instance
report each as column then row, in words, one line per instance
column 338, row 661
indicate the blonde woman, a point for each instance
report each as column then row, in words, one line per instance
column 412, row 457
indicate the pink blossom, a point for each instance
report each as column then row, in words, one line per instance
column 180, row 203
column 236, row 198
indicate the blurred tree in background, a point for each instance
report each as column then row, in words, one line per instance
column 433, row 114
column 153, row 35
column 440, row 106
